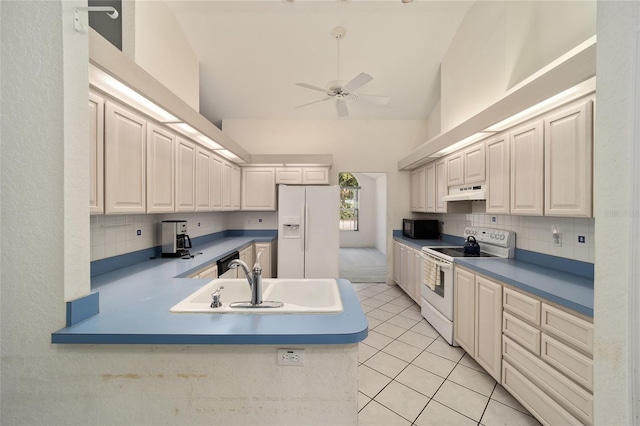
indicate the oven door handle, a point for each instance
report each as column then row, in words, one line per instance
column 448, row 266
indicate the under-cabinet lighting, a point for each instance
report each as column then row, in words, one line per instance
column 568, row 95
column 228, row 154
column 103, row 81
column 110, row 85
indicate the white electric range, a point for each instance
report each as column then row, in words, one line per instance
column 437, row 277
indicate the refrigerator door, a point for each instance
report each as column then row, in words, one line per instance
column 322, row 233
column 291, row 201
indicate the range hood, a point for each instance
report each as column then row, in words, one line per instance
column 466, row 193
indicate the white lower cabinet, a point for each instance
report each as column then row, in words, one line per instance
column 246, row 255
column 478, row 319
column 407, row 269
column 547, row 362
column 210, row 272
column 267, row 259
column 96, row 153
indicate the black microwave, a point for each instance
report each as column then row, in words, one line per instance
column 420, row 229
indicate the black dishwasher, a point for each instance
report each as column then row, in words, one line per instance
column 223, row 265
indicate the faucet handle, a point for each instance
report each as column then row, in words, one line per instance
column 216, row 303
column 257, row 264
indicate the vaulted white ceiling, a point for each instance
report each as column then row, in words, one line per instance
column 252, row 53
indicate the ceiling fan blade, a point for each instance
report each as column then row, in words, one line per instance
column 314, row 102
column 341, row 107
column 309, row 86
column 357, row 82
column 374, row 99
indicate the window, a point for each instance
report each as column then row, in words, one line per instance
column 349, row 197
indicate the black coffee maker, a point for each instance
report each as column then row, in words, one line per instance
column 175, row 241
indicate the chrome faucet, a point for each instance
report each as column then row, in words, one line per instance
column 254, row 277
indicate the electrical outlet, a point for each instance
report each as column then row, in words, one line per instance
column 198, row 224
column 289, row 357
column 260, row 220
column 582, row 239
column 494, row 219
column 139, row 232
column 248, row 221
column 556, row 235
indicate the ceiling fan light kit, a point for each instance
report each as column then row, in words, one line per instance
column 340, row 90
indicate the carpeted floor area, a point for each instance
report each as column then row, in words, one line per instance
column 363, row 265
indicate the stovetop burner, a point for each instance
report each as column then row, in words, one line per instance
column 458, row 252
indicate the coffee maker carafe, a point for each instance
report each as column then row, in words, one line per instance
column 175, row 241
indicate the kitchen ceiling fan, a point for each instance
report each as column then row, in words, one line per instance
column 340, row 91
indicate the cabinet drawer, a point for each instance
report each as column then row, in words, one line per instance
column 566, row 393
column 545, row 409
column 526, row 335
column 568, row 327
column 571, row 362
column 522, row 305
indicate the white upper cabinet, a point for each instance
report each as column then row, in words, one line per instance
column 125, row 153
column 474, row 163
column 216, row 183
column 230, row 186
column 419, row 190
column 498, row 178
column 258, row 188
column 186, row 176
column 203, row 180
column 431, row 187
column 466, row 166
column 527, row 155
column 96, row 153
column 315, row 175
column 302, row 175
column 568, row 150
column 441, row 186
column 161, row 152
column 455, row 169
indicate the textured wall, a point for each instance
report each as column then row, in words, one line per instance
column 618, row 23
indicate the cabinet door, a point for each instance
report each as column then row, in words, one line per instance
column 203, row 180
column 161, row 152
column 396, row 262
column 568, row 162
column 216, row 183
column 527, row 151
column 96, row 153
column 315, row 175
column 430, row 202
column 473, row 161
column 258, row 188
column 125, row 157
column 455, row 169
column 227, row 168
column 418, row 190
column 441, row 186
column 211, row 273
column 265, row 258
column 185, row 176
column 404, row 268
column 497, row 170
column 488, row 326
column 235, row 187
column 289, row 175
column 464, row 309
column 417, row 275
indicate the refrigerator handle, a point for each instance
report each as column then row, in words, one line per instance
column 306, row 223
column 303, row 227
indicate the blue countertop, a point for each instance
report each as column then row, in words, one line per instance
column 135, row 302
column 571, row 290
column 564, row 288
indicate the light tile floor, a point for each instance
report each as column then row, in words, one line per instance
column 408, row 374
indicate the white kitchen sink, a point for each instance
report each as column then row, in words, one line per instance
column 299, row 296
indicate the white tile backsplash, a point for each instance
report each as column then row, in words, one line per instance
column 532, row 233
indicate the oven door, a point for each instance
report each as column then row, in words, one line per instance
column 441, row 297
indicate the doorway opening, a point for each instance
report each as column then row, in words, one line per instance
column 363, row 225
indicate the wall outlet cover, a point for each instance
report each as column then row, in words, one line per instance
column 291, row 357
column 582, row 239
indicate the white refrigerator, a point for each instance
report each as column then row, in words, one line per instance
column 308, row 231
